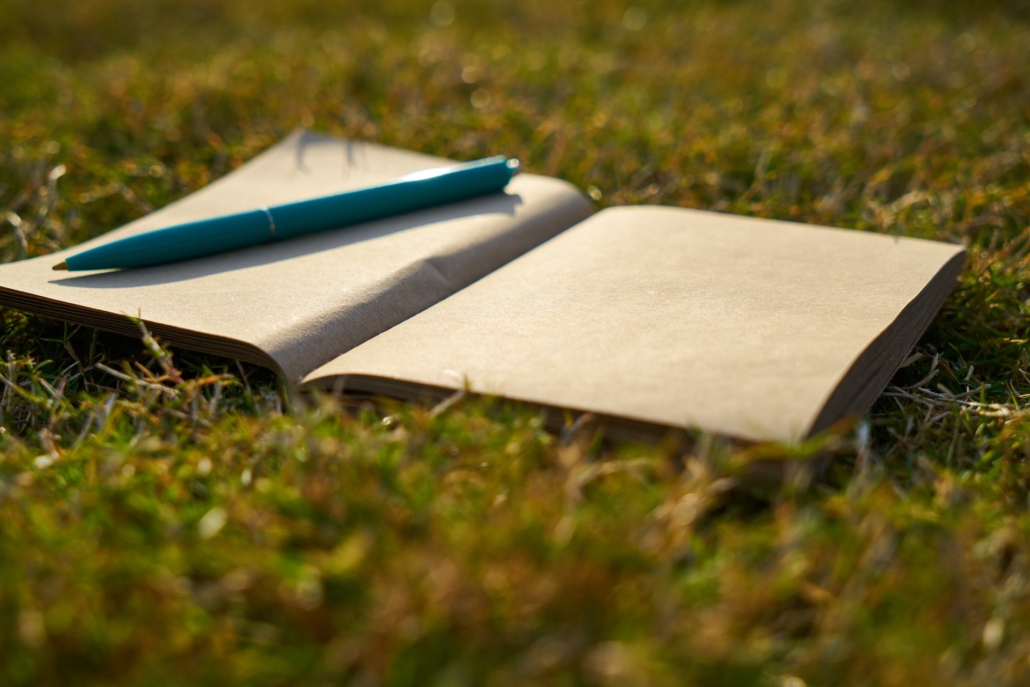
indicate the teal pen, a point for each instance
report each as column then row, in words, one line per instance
column 416, row 191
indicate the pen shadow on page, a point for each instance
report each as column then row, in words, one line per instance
column 268, row 253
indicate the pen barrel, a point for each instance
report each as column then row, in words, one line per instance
column 181, row 242
column 231, row 232
column 439, row 187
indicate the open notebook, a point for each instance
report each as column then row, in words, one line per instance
column 751, row 328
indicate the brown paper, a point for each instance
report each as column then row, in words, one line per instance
column 297, row 304
column 750, row 328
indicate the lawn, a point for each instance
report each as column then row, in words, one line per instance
column 169, row 518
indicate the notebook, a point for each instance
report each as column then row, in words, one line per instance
column 756, row 329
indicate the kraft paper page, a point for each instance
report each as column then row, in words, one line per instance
column 297, row 304
column 739, row 326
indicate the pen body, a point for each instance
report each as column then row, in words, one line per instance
column 231, row 232
column 394, row 198
column 181, row 242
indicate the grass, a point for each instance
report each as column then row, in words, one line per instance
column 167, row 518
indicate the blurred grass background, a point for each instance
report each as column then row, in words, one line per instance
column 165, row 520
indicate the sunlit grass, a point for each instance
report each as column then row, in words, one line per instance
column 182, row 520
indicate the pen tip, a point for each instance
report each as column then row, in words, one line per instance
column 61, row 266
column 515, row 166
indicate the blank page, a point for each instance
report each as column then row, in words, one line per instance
column 296, row 304
column 738, row 326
